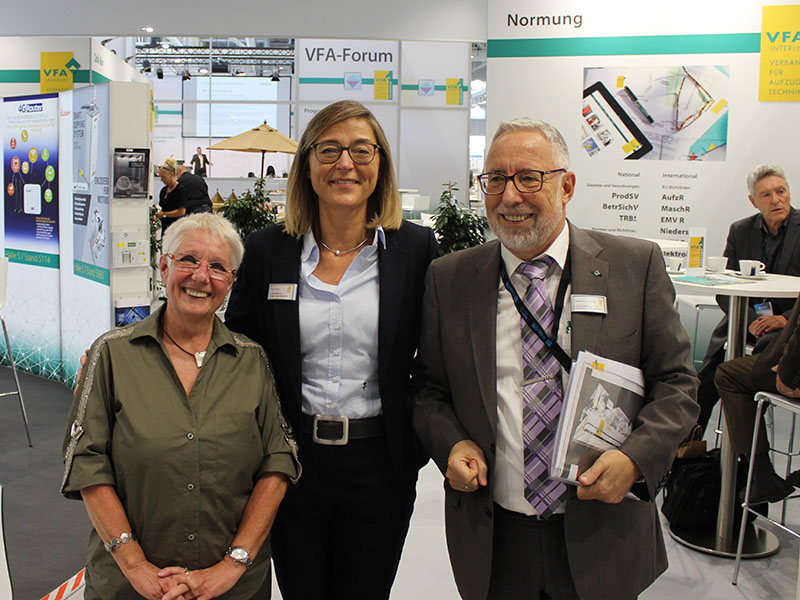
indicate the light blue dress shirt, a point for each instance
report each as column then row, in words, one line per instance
column 339, row 334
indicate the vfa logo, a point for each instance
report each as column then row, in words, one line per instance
column 57, row 72
column 785, row 37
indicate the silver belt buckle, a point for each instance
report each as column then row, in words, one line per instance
column 329, row 419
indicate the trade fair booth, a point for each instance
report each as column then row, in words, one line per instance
column 665, row 111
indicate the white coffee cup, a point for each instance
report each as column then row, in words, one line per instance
column 674, row 263
column 751, row 268
column 716, row 263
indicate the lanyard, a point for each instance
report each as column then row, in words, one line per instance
column 526, row 314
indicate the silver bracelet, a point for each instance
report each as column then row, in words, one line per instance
column 116, row 542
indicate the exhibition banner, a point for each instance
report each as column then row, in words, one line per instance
column 364, row 70
column 30, row 190
column 780, row 54
column 30, row 165
column 90, row 183
column 660, row 109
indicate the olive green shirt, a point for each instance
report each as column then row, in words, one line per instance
column 182, row 467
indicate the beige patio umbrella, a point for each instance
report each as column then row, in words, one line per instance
column 259, row 139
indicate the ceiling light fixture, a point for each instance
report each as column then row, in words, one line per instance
column 147, row 28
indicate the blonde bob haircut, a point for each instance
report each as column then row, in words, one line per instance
column 302, row 204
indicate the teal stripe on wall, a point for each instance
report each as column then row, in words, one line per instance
column 32, row 76
column 726, row 43
column 19, row 76
column 98, row 78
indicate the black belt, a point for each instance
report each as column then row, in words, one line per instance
column 337, row 431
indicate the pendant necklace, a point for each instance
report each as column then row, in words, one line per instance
column 340, row 252
column 198, row 356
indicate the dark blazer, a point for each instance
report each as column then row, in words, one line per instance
column 744, row 243
column 615, row 551
column 199, row 163
column 272, row 256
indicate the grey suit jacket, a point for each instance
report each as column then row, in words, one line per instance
column 614, row 550
column 744, row 242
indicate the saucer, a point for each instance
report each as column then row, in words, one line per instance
column 678, row 272
column 751, row 277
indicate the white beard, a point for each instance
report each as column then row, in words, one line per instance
column 536, row 236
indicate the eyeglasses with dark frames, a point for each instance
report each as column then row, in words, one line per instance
column 526, row 181
column 361, row 153
column 190, row 264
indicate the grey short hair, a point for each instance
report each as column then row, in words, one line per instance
column 212, row 224
column 553, row 135
column 762, row 171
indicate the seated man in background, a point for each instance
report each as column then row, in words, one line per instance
column 197, row 199
column 776, row 370
column 771, row 236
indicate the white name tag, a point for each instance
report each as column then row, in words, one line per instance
column 586, row 303
column 282, row 291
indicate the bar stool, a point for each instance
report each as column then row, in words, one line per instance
column 764, row 400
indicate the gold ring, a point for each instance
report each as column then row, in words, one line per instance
column 186, row 571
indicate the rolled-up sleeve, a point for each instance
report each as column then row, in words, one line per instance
column 277, row 437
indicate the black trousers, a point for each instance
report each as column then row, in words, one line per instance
column 529, row 559
column 339, row 534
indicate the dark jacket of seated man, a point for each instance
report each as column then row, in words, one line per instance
column 776, row 370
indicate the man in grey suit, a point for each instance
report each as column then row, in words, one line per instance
column 771, row 236
column 507, row 537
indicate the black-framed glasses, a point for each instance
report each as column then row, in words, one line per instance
column 190, row 264
column 527, row 181
column 361, row 153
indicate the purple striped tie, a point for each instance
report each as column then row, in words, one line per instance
column 541, row 395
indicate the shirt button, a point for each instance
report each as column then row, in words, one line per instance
column 190, row 537
column 336, row 327
column 190, row 487
column 336, row 352
column 190, row 436
column 334, row 379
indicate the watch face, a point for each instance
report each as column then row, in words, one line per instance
column 239, row 554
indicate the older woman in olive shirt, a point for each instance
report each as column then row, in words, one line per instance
column 176, row 439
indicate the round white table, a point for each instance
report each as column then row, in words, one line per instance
column 758, row 542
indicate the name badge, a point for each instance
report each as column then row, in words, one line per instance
column 586, row 303
column 763, row 309
column 282, row 291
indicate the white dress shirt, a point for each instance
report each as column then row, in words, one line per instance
column 339, row 335
column 509, row 487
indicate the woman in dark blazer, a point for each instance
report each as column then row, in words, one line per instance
column 334, row 297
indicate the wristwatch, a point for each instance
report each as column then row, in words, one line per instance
column 116, row 542
column 240, row 555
